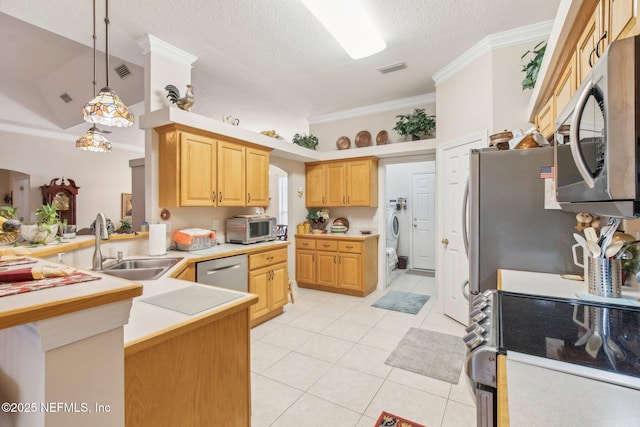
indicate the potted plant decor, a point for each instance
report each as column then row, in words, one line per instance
column 307, row 141
column 417, row 125
column 532, row 68
column 45, row 229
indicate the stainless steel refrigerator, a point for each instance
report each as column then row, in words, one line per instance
column 509, row 227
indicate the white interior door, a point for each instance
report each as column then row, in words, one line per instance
column 452, row 262
column 423, row 198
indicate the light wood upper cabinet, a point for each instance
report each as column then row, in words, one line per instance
column 336, row 184
column 196, row 169
column 566, row 87
column 315, row 185
column 621, row 19
column 351, row 182
column 544, row 119
column 362, row 183
column 257, row 169
column 231, row 174
column 187, row 168
column 585, row 48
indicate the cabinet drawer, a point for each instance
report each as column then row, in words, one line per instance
column 350, row 247
column 305, row 243
column 327, row 245
column 267, row 258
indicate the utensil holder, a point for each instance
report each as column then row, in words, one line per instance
column 605, row 277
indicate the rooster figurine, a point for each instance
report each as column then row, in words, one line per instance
column 183, row 103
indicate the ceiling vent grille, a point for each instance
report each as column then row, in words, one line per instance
column 393, row 67
column 66, row 98
column 122, row 71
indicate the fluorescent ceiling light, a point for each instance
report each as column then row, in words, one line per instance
column 349, row 24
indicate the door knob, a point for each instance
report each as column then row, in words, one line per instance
column 445, row 241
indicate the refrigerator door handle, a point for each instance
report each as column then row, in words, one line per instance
column 465, row 232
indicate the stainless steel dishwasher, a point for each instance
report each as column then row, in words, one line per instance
column 230, row 272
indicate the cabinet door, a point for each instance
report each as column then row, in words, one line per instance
column 587, row 43
column 622, row 19
column 315, row 186
column 305, row 266
column 350, row 271
column 259, row 285
column 197, row 170
column 278, row 288
column 231, row 174
column 544, row 119
column 336, row 184
column 360, row 185
column 564, row 89
column 257, row 177
column 327, row 263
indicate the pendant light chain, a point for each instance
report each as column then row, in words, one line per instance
column 106, row 37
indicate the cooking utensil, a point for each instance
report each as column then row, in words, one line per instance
column 590, row 234
column 624, row 247
column 613, row 249
column 593, row 344
column 594, row 248
column 581, row 240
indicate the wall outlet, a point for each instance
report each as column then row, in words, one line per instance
column 214, row 225
column 349, row 218
column 375, row 219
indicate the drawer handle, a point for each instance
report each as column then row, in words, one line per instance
column 349, row 247
column 325, row 245
column 334, row 259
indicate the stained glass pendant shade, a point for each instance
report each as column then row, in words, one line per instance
column 93, row 140
column 107, row 108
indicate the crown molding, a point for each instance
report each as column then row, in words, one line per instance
column 504, row 39
column 398, row 104
column 150, row 43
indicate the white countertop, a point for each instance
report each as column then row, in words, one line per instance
column 145, row 319
column 553, row 285
column 539, row 394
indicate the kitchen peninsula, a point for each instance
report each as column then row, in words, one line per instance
column 181, row 366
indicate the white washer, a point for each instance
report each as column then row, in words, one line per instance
column 393, row 231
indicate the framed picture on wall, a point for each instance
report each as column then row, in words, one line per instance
column 126, row 205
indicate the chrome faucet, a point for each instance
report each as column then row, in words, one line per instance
column 102, row 233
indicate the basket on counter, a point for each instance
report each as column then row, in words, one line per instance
column 501, row 140
column 9, row 238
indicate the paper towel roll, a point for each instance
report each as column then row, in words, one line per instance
column 157, row 239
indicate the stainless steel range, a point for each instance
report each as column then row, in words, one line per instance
column 592, row 340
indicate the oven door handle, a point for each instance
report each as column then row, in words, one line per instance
column 576, row 152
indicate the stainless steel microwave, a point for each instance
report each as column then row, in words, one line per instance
column 597, row 137
column 246, row 230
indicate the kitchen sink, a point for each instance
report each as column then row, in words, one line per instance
column 141, row 269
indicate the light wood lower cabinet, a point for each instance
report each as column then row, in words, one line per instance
column 269, row 279
column 337, row 264
column 196, row 374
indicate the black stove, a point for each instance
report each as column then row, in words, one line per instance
column 593, row 340
column 599, row 336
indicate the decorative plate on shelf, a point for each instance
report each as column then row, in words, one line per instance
column 341, row 221
column 343, row 143
column 363, row 138
column 382, row 137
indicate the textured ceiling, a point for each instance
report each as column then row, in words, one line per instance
column 271, row 60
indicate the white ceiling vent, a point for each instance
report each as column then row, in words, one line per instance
column 393, row 67
column 66, row 98
column 122, row 71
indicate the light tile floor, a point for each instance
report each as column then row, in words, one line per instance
column 321, row 363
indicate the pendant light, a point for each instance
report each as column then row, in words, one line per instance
column 94, row 140
column 107, row 108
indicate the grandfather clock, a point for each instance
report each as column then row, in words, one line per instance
column 63, row 196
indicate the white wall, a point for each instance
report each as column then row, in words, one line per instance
column 398, row 184
column 102, row 177
column 329, row 132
